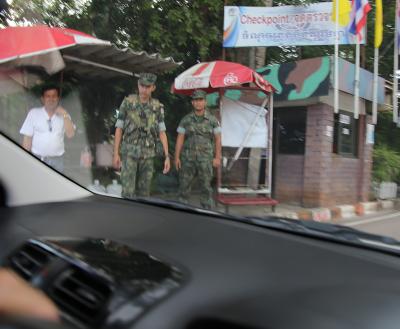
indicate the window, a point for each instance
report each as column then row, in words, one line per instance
column 291, row 130
column 345, row 134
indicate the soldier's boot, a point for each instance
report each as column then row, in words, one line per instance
column 207, row 204
column 183, row 200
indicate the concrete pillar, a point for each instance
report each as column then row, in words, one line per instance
column 318, row 157
column 256, row 60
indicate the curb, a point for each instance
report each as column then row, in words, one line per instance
column 387, row 204
column 341, row 212
column 366, row 208
column 346, row 211
column 316, row 214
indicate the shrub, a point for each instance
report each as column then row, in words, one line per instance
column 386, row 165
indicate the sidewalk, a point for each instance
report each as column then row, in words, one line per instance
column 335, row 214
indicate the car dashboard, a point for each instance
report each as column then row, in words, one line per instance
column 95, row 282
column 112, row 263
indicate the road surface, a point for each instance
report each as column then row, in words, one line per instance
column 382, row 223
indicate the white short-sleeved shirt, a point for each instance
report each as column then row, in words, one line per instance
column 44, row 142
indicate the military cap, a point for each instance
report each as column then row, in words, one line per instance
column 199, row 94
column 147, row 79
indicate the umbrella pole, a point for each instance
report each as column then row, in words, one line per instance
column 61, row 82
column 219, row 170
column 270, row 141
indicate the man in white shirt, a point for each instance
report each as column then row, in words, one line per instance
column 44, row 128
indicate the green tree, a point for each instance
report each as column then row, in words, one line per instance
column 188, row 30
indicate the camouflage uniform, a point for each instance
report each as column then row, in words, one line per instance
column 141, row 124
column 197, row 155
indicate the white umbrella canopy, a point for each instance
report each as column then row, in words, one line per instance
column 212, row 76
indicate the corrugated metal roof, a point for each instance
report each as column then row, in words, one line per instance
column 102, row 61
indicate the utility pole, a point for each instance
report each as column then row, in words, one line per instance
column 223, row 48
column 257, row 56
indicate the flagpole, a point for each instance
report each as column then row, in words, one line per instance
column 375, row 90
column 377, row 44
column 336, row 85
column 396, row 66
column 357, row 81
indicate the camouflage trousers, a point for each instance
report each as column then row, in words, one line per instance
column 136, row 175
column 203, row 171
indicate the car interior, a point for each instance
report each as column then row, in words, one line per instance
column 113, row 263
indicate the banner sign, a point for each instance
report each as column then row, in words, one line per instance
column 309, row 25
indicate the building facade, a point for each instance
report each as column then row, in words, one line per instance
column 321, row 158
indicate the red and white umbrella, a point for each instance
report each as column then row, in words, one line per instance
column 210, row 76
column 41, row 45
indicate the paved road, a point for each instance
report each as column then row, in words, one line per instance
column 382, row 223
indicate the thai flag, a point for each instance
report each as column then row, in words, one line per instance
column 358, row 17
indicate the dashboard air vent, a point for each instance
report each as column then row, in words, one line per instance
column 81, row 295
column 28, row 260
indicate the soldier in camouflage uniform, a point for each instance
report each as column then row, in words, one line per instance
column 199, row 141
column 140, row 126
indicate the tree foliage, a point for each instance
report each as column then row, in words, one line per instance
column 386, row 164
column 188, row 30
column 386, row 157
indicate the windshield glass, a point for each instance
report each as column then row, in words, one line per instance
column 255, row 108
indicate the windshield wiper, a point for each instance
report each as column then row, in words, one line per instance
column 330, row 231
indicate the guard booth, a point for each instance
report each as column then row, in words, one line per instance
column 245, row 177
